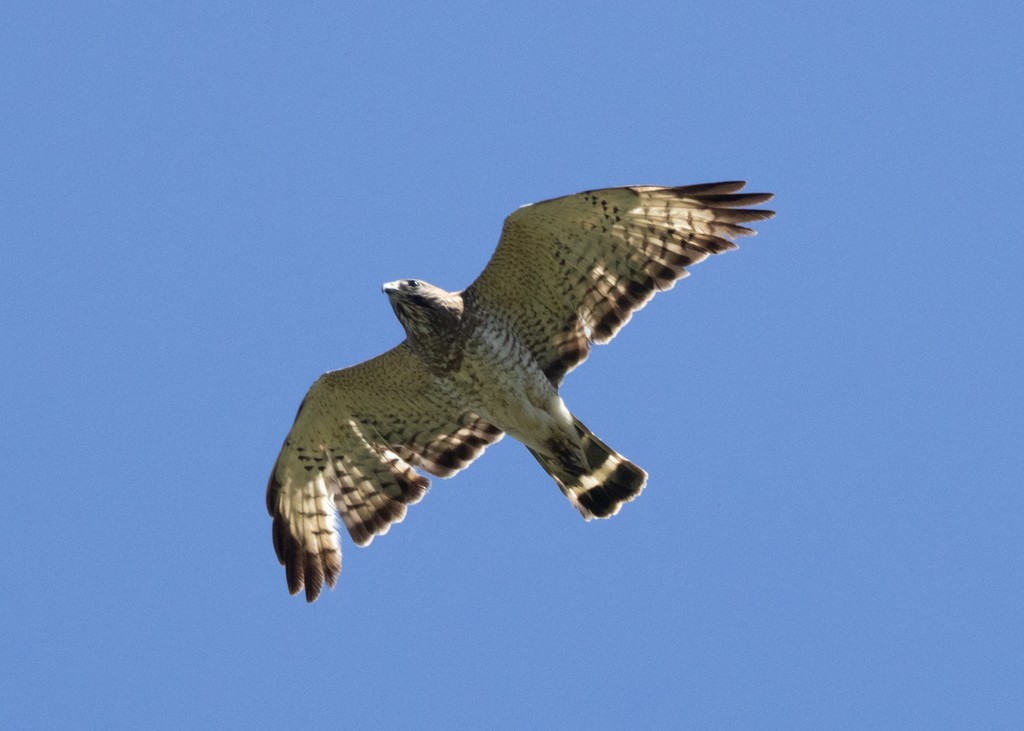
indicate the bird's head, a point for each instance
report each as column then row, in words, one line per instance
column 424, row 310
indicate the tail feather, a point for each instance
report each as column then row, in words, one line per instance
column 599, row 486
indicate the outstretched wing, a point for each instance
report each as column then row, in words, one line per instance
column 572, row 270
column 357, row 438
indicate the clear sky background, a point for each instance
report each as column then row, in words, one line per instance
column 198, row 205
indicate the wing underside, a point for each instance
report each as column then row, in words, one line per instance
column 353, row 451
column 571, row 271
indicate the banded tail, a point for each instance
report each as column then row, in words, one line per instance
column 599, row 487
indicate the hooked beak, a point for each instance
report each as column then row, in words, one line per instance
column 389, row 287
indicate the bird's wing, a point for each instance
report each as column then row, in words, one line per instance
column 359, row 433
column 571, row 271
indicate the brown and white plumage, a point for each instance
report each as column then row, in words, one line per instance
column 351, row 452
column 590, row 260
column 567, row 272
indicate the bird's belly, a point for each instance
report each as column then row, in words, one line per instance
column 506, row 386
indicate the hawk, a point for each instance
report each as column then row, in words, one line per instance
column 488, row 361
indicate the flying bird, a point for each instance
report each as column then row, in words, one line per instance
column 488, row 361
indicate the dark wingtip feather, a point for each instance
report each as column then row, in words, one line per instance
column 302, row 569
column 741, row 215
column 313, row 577
column 273, row 488
column 703, row 189
column 735, row 200
column 293, row 558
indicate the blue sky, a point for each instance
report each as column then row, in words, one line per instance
column 199, row 205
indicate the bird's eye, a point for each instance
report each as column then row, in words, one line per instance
column 412, row 283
